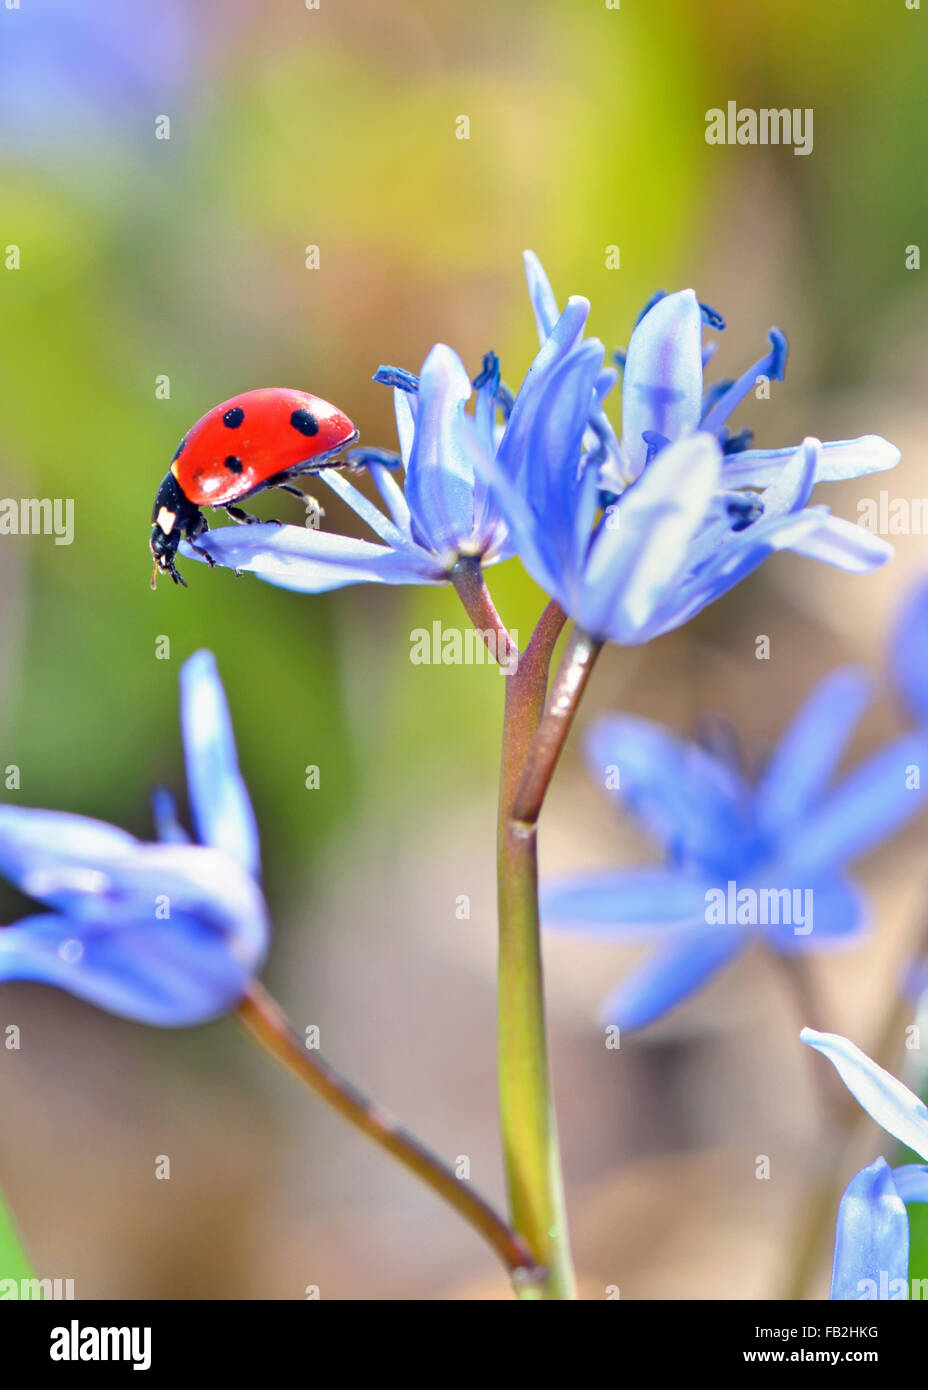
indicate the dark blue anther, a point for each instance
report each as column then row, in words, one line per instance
column 737, row 443
column 489, row 375
column 618, row 358
column 488, row 379
column 744, row 509
column 711, row 316
column 398, row 377
column 362, row 458
column 655, row 443
column 780, row 348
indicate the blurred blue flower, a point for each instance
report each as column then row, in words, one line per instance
column 81, row 73
column 445, row 509
column 635, row 535
column 871, row 1259
column 168, row 933
column 746, row 859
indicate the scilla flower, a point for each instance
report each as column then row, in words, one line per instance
column 634, row 535
column 872, row 1235
column 168, row 933
column 445, row 509
column 745, row 859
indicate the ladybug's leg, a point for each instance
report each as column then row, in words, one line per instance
column 195, row 529
column 288, row 487
column 246, row 519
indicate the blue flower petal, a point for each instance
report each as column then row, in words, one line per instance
column 687, row 799
column 911, row 1182
column 640, row 549
column 792, row 487
column 55, row 857
column 807, row 755
column 840, row 459
column 541, row 294
column 535, row 544
column 551, row 477
column 740, row 553
column 170, row 974
column 165, row 934
column 871, row 803
column 381, row 525
column 871, row 1237
column 910, row 652
column 884, row 1098
column 440, row 474
column 561, row 340
column 404, row 406
column 393, row 496
column 671, row 975
column 219, row 801
column 836, row 913
column 662, row 386
column 843, row 544
column 312, row 562
column 623, row 905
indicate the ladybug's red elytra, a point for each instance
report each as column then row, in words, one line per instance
column 257, row 440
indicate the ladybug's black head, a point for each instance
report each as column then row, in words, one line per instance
column 171, row 515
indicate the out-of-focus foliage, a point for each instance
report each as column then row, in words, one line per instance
column 14, row 1263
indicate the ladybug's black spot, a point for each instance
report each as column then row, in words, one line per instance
column 179, row 450
column 305, row 422
column 233, row 418
column 233, row 464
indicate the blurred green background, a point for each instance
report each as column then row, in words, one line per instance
column 139, row 257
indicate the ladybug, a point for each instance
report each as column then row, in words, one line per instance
column 257, row 440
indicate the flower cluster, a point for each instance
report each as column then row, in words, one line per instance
column 633, row 534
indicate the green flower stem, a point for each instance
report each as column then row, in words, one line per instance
column 533, row 736
column 548, row 743
column 535, row 727
column 269, row 1026
column 468, row 581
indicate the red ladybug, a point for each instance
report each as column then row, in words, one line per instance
column 257, row 440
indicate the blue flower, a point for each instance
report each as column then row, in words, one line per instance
column 168, row 933
column 872, row 1235
column 635, row 535
column 445, row 509
column 745, row 858
column 70, row 71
